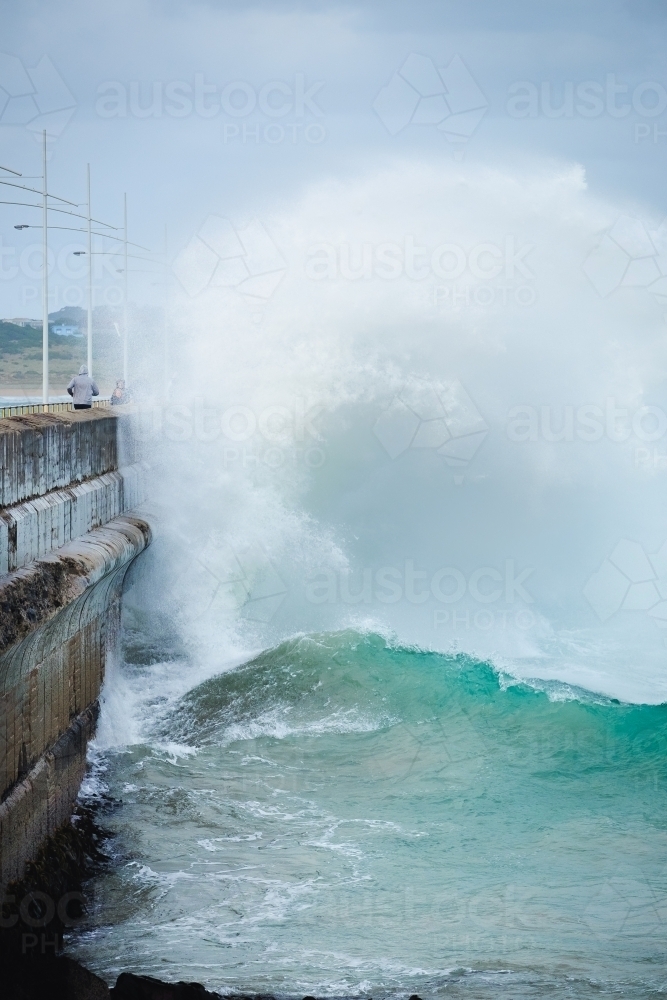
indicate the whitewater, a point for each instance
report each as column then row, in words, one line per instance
column 389, row 714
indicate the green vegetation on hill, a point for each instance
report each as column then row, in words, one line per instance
column 21, row 349
column 21, row 359
column 15, row 339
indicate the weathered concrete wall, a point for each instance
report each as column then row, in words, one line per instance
column 32, row 529
column 42, row 802
column 47, row 451
column 65, row 557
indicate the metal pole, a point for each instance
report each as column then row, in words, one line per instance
column 90, row 284
column 125, row 292
column 45, row 286
column 166, row 318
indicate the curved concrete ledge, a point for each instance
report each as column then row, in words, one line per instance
column 32, row 595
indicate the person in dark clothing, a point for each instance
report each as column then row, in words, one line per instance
column 82, row 389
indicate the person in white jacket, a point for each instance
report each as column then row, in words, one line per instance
column 82, row 389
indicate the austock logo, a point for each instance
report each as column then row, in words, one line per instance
column 630, row 256
column 624, row 905
column 221, row 256
column 630, row 580
column 422, row 94
column 36, row 98
column 232, row 579
column 433, row 417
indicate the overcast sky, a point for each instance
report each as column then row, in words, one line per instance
column 235, row 108
column 525, row 142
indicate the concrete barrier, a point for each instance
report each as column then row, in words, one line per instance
column 32, row 529
column 47, row 451
column 66, row 542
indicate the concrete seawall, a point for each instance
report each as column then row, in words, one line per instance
column 69, row 530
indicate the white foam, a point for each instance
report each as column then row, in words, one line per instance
column 240, row 536
column 274, row 723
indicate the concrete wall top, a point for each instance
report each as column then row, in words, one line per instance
column 46, row 451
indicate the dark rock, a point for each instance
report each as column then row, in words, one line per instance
column 52, row 979
column 80, row 983
column 248, row 996
column 131, row 987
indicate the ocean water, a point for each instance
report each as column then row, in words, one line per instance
column 389, row 718
column 346, row 816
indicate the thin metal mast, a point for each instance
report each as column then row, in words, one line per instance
column 90, row 283
column 45, row 284
column 125, row 292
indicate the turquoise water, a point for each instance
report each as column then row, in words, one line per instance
column 343, row 816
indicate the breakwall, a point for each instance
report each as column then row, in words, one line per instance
column 70, row 526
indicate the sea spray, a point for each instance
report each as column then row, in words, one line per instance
column 468, row 470
column 389, row 714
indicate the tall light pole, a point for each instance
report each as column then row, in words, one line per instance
column 90, row 284
column 46, row 208
column 45, row 285
column 165, row 353
column 125, row 290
